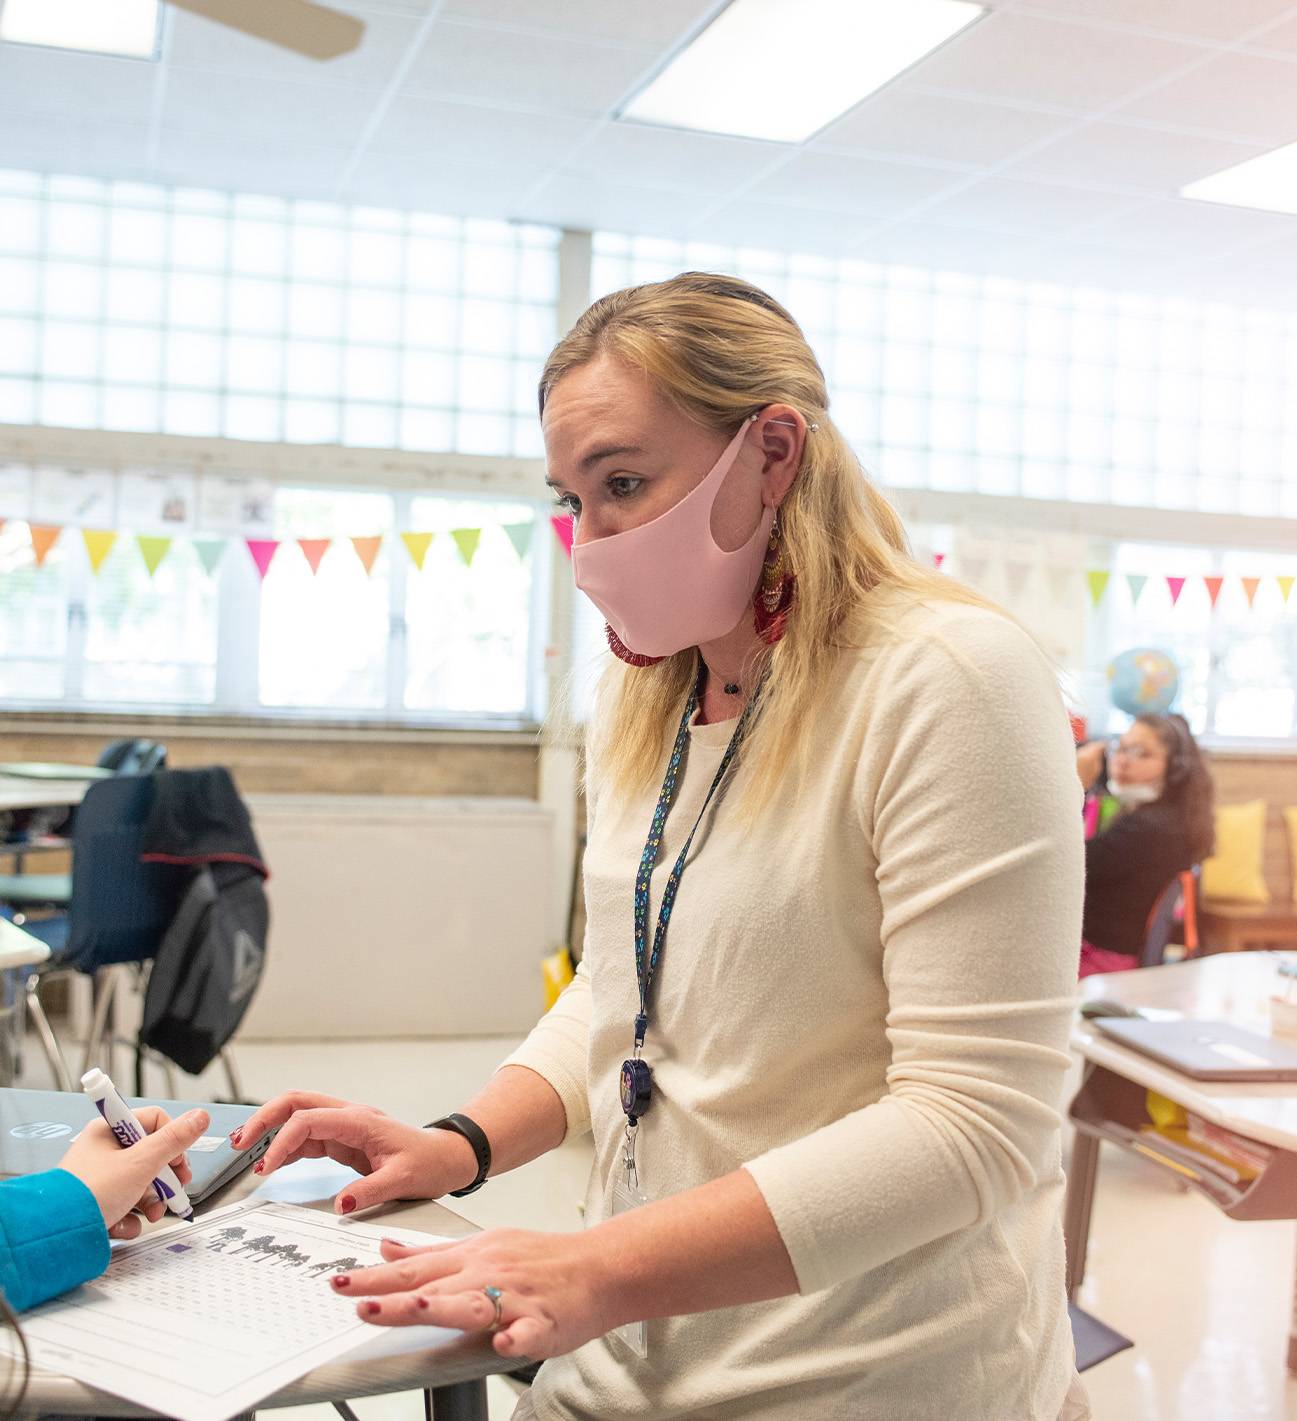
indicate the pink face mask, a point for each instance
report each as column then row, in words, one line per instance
column 666, row 585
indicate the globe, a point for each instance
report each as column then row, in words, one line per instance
column 1143, row 681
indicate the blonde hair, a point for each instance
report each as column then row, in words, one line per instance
column 720, row 349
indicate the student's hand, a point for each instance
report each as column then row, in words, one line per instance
column 1089, row 762
column 121, row 1180
column 555, row 1293
column 398, row 1161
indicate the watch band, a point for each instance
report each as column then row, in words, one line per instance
column 476, row 1136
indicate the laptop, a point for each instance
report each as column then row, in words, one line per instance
column 37, row 1126
column 1205, row 1050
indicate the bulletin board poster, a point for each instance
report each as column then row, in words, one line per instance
column 149, row 502
column 15, row 491
column 81, row 498
column 236, row 505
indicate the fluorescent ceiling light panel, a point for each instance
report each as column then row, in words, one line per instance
column 1268, row 182
column 127, row 27
column 782, row 69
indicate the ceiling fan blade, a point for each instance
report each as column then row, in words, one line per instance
column 311, row 30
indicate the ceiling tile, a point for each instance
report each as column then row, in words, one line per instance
column 1121, row 155
column 1202, row 19
column 1035, row 60
column 768, row 224
column 456, row 189
column 1281, row 37
column 663, row 22
column 936, row 248
column 1002, row 203
column 237, row 106
column 472, row 133
column 615, row 206
column 1240, row 94
column 90, row 86
column 198, row 43
column 53, row 143
column 267, row 164
column 909, row 124
column 842, row 182
column 672, row 157
column 1178, row 226
column 535, row 71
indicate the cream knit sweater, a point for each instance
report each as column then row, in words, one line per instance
column 864, row 1001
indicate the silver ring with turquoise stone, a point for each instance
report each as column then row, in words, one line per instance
column 495, row 1295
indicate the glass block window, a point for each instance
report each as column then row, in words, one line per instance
column 128, row 306
column 994, row 386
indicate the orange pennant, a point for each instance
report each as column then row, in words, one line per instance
column 1250, row 585
column 367, row 550
column 43, row 539
column 1213, row 586
column 314, row 549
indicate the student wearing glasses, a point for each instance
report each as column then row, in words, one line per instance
column 1164, row 825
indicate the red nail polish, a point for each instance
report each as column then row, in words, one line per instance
column 234, row 1136
column 347, row 1203
column 423, row 1304
column 259, row 1167
column 371, row 1309
column 342, row 1281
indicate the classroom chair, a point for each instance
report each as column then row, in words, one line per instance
column 1177, row 903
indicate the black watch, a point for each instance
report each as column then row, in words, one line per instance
column 476, row 1137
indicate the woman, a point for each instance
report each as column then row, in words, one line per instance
column 826, row 1132
column 1163, row 788
column 55, row 1226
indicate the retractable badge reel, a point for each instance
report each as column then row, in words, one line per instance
column 636, row 1095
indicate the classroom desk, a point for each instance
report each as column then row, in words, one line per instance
column 454, row 1375
column 20, row 792
column 1233, row 987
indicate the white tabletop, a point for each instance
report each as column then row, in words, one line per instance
column 17, row 792
column 1232, row 986
column 398, row 1359
column 19, row 949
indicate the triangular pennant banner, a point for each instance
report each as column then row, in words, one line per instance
column 367, row 550
column 314, row 549
column 209, row 552
column 43, row 539
column 1213, row 586
column 1097, row 578
column 466, row 540
column 1135, row 581
column 563, row 526
column 937, row 560
column 1250, row 585
column 417, row 544
column 1285, row 586
column 1175, row 585
column 1060, row 583
column 98, row 545
column 520, row 537
column 263, row 551
column 1015, row 577
column 153, row 550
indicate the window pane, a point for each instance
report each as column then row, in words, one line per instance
column 33, row 616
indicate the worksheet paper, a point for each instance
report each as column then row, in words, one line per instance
column 204, row 1321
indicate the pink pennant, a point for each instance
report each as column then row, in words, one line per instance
column 314, row 549
column 1176, row 585
column 262, row 550
column 564, row 526
column 937, row 560
column 1213, row 586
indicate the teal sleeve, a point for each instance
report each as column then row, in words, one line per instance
column 52, row 1237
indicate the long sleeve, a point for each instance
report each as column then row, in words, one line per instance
column 968, row 792
column 52, row 1237
column 557, row 1048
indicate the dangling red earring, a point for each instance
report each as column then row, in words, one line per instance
column 623, row 653
column 775, row 590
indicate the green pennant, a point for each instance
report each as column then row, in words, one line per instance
column 153, row 550
column 209, row 552
column 1098, row 580
column 520, row 537
column 1135, row 581
column 466, row 540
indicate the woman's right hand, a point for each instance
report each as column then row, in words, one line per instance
column 398, row 1161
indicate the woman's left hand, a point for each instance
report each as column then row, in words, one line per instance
column 555, row 1289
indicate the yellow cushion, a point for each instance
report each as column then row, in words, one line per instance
column 1234, row 870
column 1290, row 818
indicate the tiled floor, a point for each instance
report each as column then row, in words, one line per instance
column 1207, row 1300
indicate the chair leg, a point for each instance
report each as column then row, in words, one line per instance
column 99, row 1038
column 53, row 1051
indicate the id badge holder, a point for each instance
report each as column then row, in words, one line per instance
column 627, row 1195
